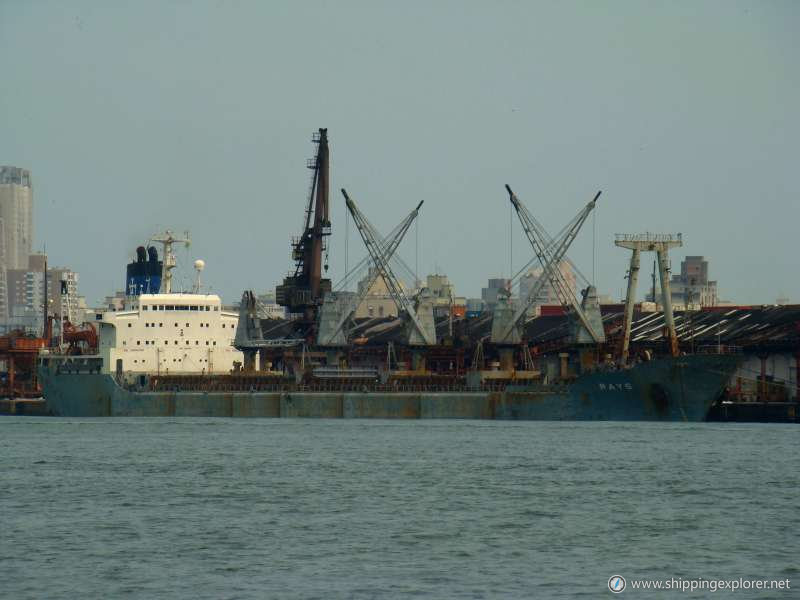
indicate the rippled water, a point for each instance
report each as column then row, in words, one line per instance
column 217, row 508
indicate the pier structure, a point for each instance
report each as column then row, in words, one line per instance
column 660, row 243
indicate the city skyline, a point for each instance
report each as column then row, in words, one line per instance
column 201, row 119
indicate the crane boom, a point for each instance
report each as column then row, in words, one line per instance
column 386, row 248
column 550, row 254
column 381, row 261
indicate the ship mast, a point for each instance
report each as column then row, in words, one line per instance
column 167, row 239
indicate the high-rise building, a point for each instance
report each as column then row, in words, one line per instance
column 26, row 295
column 692, row 287
column 378, row 302
column 16, row 227
column 22, row 273
column 547, row 295
column 269, row 308
column 3, row 278
column 442, row 295
column 16, row 216
column 495, row 286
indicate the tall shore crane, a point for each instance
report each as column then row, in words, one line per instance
column 303, row 291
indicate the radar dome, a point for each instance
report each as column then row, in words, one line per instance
column 199, row 264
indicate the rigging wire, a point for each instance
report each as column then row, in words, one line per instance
column 416, row 253
column 594, row 245
column 510, row 243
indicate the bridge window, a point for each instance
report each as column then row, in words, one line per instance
column 145, row 306
column 193, row 308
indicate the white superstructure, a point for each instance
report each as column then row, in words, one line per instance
column 169, row 333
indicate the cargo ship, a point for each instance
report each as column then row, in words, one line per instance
column 670, row 389
column 182, row 355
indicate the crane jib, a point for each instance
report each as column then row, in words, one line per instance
column 550, row 253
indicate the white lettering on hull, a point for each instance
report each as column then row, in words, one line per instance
column 615, row 387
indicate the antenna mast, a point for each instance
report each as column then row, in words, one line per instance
column 167, row 239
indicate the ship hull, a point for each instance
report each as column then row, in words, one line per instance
column 671, row 389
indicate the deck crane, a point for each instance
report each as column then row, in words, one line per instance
column 333, row 317
column 550, row 252
column 422, row 333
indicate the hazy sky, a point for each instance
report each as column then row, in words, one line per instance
column 134, row 117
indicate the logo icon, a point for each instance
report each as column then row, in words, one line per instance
column 616, row 583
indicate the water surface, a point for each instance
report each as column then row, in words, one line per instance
column 224, row 508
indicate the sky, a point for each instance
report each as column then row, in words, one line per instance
column 137, row 117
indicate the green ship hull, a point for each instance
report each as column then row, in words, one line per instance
column 667, row 389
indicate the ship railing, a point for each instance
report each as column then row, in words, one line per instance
column 718, row 349
column 337, row 373
column 71, row 363
column 648, row 237
column 276, row 343
column 334, row 386
column 329, row 387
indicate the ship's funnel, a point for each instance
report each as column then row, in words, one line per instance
column 143, row 275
